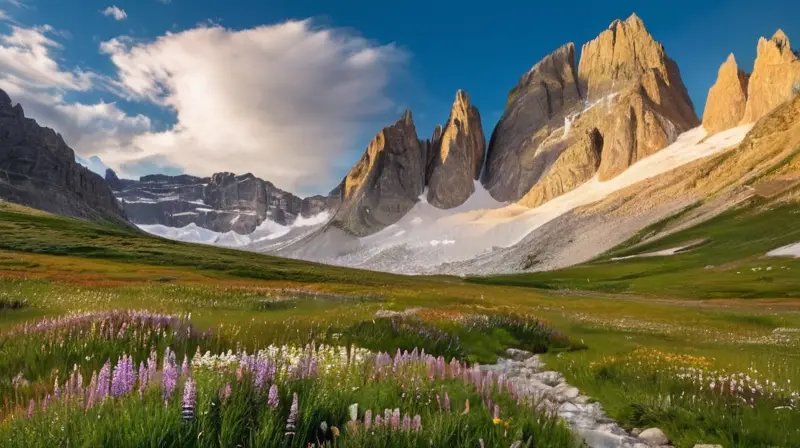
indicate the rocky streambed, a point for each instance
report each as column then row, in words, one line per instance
column 587, row 419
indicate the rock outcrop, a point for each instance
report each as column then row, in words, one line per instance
column 222, row 202
column 458, row 153
column 539, row 104
column 776, row 71
column 385, row 183
column 626, row 91
column 576, row 165
column 727, row 98
column 38, row 169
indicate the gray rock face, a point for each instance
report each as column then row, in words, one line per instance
column 222, row 202
column 457, row 155
column 38, row 169
column 385, row 183
column 536, row 107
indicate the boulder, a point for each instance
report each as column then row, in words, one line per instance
column 776, row 71
column 727, row 98
column 385, row 183
column 654, row 437
column 457, row 155
column 38, row 169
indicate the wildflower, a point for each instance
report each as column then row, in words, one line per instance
column 92, row 391
column 292, row 420
column 143, row 378
column 189, row 400
column 170, row 375
column 335, row 431
column 185, row 369
column 416, row 423
column 497, row 420
column 226, row 392
column 103, row 381
column 368, row 419
column 353, row 410
column 496, row 414
column 446, row 403
column 378, row 421
column 272, row 400
column 323, row 427
column 406, row 425
column 480, row 442
column 395, row 421
column 466, row 407
column 31, row 408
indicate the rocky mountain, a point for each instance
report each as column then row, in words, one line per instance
column 456, row 155
column 626, row 96
column 740, row 98
column 398, row 167
column 39, row 170
column 223, row 202
column 727, row 98
column 385, row 183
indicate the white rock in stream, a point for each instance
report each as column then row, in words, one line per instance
column 548, row 388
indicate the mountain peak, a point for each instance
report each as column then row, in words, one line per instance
column 727, row 98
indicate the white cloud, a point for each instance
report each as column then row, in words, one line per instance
column 115, row 12
column 284, row 101
column 31, row 75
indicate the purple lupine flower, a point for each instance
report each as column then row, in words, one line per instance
column 56, row 388
column 496, row 411
column 406, row 425
column 368, row 419
column 262, row 367
column 481, row 443
column 291, row 422
column 416, row 423
column 226, row 392
column 378, row 421
column 46, row 403
column 170, row 375
column 273, row 400
column 144, row 378
column 152, row 365
column 395, row 421
column 446, row 402
column 189, row 400
column 104, row 381
column 31, row 408
column 185, row 368
column 92, row 391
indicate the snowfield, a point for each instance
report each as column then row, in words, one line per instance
column 792, row 250
column 427, row 238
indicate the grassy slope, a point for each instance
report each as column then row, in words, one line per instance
column 730, row 264
column 57, row 265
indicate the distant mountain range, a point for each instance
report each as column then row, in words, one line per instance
column 587, row 153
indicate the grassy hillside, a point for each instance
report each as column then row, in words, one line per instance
column 728, row 262
column 52, row 266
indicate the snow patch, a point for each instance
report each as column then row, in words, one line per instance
column 792, row 250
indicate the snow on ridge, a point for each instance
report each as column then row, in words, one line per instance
column 267, row 230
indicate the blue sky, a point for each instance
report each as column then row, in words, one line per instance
column 413, row 54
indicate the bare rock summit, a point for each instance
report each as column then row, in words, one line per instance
column 385, row 183
column 727, row 98
column 776, row 71
column 457, row 155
